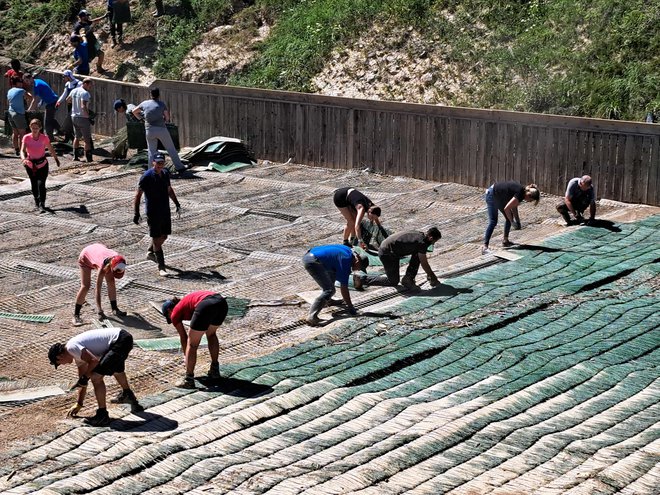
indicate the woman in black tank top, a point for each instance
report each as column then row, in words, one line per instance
column 353, row 206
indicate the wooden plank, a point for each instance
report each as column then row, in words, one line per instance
column 654, row 173
column 473, row 143
column 619, row 168
column 350, row 139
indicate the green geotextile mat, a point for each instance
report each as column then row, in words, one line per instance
column 236, row 308
column 229, row 167
column 538, row 374
column 24, row 317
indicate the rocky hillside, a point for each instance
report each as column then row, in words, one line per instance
column 581, row 57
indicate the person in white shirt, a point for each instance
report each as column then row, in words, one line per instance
column 97, row 353
column 82, row 127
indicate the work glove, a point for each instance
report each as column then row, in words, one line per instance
column 73, row 412
column 136, row 218
column 178, row 210
column 352, row 311
column 81, row 383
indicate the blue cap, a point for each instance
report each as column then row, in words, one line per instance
column 159, row 157
column 168, row 306
column 118, row 104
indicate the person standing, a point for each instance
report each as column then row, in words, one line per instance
column 156, row 115
column 505, row 198
column 109, row 265
column 206, row 311
column 16, row 99
column 580, row 194
column 353, row 205
column 43, row 95
column 70, row 83
column 82, row 127
column 33, row 154
column 119, row 12
column 80, row 63
column 400, row 245
column 157, row 190
column 85, row 28
column 98, row 353
column 160, row 10
column 325, row 264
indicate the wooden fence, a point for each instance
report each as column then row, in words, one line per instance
column 445, row 144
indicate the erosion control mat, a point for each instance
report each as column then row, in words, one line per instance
column 536, row 374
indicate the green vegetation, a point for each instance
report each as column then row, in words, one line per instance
column 596, row 58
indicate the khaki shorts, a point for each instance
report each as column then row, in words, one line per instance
column 82, row 128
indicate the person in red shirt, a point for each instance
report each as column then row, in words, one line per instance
column 206, row 311
column 110, row 266
column 33, row 154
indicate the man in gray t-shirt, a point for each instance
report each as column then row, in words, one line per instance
column 79, row 98
column 156, row 114
column 400, row 245
column 97, row 353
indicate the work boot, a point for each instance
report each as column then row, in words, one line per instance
column 188, row 382
column 88, row 156
column 77, row 321
column 151, row 256
column 408, row 282
column 214, row 371
column 114, row 43
column 128, row 397
column 101, row 418
column 42, row 208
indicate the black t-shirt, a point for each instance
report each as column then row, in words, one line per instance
column 504, row 191
column 356, row 198
column 404, row 244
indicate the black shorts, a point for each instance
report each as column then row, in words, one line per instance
column 341, row 197
column 113, row 361
column 211, row 310
column 159, row 225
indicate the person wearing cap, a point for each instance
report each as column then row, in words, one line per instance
column 325, row 264
column 33, row 153
column 397, row 246
column 70, row 83
column 156, row 115
column 126, row 109
column 110, row 265
column 97, row 354
column 206, row 311
column 354, row 206
column 80, row 63
column 16, row 99
column 82, row 127
column 157, row 190
column 580, row 195
column 43, row 96
column 85, row 28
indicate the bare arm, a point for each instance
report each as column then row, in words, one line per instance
column 510, row 206
column 358, row 220
column 166, row 115
column 592, row 211
column 424, row 262
column 51, row 150
column 91, row 362
column 137, row 113
column 35, row 103
column 183, row 336
column 346, row 296
column 99, row 285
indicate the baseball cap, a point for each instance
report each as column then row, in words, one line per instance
column 118, row 265
column 67, row 73
column 83, row 13
column 75, row 38
column 118, row 104
column 159, row 157
column 167, row 307
column 54, row 351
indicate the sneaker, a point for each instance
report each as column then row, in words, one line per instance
column 119, row 312
column 101, row 418
column 214, row 371
column 151, row 256
column 188, row 382
column 312, row 320
column 77, row 321
column 408, row 282
column 486, row 250
column 163, row 272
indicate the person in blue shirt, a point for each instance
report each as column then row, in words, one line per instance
column 16, row 99
column 80, row 55
column 325, row 264
column 43, row 96
column 155, row 185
